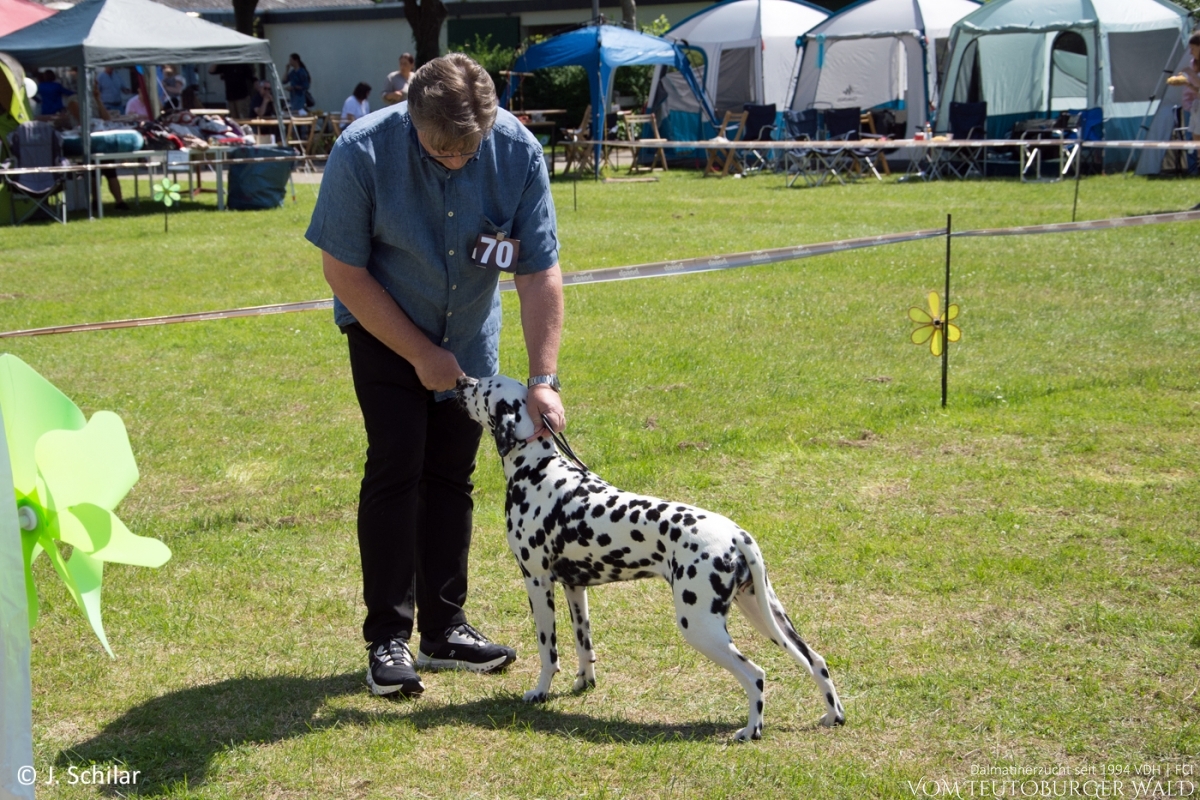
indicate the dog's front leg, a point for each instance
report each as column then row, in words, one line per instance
column 541, row 602
column 585, row 678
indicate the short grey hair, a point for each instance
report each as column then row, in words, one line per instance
column 452, row 100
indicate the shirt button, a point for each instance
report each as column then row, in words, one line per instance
column 450, row 214
column 445, row 338
column 453, row 287
column 449, row 313
column 451, row 252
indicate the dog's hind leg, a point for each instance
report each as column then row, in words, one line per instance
column 751, row 605
column 705, row 631
column 541, row 602
column 577, row 601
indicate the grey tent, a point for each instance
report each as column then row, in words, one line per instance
column 105, row 33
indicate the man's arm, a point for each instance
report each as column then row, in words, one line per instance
column 541, row 319
column 376, row 311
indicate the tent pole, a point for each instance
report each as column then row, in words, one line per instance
column 85, row 123
column 280, row 99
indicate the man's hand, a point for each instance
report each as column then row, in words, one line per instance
column 438, row 370
column 544, row 400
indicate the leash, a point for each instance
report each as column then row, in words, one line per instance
column 560, row 439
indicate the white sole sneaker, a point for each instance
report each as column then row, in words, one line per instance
column 384, row 691
column 436, row 664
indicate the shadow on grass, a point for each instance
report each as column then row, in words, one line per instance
column 173, row 740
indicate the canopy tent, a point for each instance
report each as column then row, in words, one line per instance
column 600, row 49
column 101, row 33
column 749, row 51
column 16, row 14
column 881, row 54
column 1031, row 58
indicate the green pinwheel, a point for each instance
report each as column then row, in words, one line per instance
column 166, row 192
column 69, row 474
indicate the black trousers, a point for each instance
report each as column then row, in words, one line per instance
column 415, row 506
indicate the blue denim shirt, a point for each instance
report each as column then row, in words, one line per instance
column 388, row 207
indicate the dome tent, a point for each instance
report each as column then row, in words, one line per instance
column 1030, row 58
column 749, row 53
column 879, row 54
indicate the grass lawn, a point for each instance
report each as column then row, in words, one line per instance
column 1011, row 582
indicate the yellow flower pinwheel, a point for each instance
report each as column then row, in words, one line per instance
column 69, row 474
column 933, row 326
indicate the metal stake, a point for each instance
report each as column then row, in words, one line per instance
column 946, row 317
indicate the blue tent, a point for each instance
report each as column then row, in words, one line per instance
column 600, row 49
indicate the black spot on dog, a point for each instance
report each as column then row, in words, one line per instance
column 604, row 540
column 633, row 515
column 598, row 511
column 691, row 572
column 689, row 597
column 617, row 514
column 683, row 621
column 524, row 554
column 652, row 515
column 637, row 535
column 759, row 684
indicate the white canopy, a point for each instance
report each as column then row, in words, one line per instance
column 1040, row 57
column 879, row 54
column 749, row 49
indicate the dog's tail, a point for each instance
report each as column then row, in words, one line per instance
column 774, row 622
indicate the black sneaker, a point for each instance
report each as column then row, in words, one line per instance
column 390, row 668
column 463, row 647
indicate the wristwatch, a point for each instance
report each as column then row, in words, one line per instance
column 550, row 380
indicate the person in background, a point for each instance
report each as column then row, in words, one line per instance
column 1189, row 79
column 298, row 83
column 138, row 105
column 109, row 84
column 239, row 85
column 264, row 101
column 173, row 86
column 357, row 105
column 109, row 173
column 396, row 88
column 51, row 93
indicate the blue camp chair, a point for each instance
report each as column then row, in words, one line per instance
column 967, row 121
column 35, row 145
column 760, row 127
column 803, row 162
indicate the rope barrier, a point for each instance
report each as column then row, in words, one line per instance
column 197, row 164
column 885, row 144
column 655, row 269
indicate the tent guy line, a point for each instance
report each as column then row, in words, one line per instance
column 657, row 269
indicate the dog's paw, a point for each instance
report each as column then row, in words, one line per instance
column 535, row 696
column 583, row 683
column 832, row 719
column 747, row 733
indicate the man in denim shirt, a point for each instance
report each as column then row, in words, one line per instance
column 405, row 194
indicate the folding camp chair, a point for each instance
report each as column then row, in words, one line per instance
column 634, row 125
column 967, row 121
column 579, row 157
column 760, row 127
column 302, row 137
column 723, row 162
column 1083, row 126
column 845, row 124
column 35, row 145
column 803, row 162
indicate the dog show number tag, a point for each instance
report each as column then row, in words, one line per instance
column 496, row 250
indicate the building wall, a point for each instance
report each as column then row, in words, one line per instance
column 340, row 54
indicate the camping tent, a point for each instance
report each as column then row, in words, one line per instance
column 749, row 51
column 1031, row 58
column 879, row 54
column 600, row 49
column 100, row 33
column 16, row 14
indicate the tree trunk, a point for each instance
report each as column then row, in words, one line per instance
column 243, row 16
column 629, row 14
column 426, row 18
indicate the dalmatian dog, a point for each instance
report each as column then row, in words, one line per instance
column 566, row 525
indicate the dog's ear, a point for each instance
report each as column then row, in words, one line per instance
column 511, row 424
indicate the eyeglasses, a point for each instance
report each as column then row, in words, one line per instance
column 451, row 156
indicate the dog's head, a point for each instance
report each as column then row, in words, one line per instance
column 498, row 404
